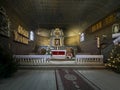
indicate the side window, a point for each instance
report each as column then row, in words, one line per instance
column 82, row 37
column 31, row 36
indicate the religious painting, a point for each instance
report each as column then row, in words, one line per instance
column 116, row 33
column 4, row 23
column 115, row 28
column 57, row 42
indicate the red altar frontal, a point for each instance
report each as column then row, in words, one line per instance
column 58, row 54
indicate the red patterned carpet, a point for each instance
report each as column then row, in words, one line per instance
column 68, row 79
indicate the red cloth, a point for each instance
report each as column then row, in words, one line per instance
column 58, row 53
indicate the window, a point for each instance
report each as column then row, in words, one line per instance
column 82, row 37
column 31, row 35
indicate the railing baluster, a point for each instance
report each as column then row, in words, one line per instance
column 32, row 59
column 43, row 59
column 89, row 59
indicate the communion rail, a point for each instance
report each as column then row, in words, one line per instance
column 89, row 59
column 45, row 59
column 32, row 59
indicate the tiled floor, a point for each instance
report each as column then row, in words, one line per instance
column 45, row 80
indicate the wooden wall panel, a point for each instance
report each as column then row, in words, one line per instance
column 72, row 41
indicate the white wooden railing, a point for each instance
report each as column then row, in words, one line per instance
column 45, row 59
column 89, row 59
column 32, row 59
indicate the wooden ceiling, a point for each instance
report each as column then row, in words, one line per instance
column 60, row 13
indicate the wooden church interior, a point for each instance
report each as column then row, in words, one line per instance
column 59, row 44
column 61, row 29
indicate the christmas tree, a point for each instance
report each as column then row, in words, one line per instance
column 114, row 59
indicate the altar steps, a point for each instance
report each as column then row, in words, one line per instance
column 66, row 66
column 66, row 59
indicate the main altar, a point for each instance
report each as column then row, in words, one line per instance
column 56, row 38
column 57, row 42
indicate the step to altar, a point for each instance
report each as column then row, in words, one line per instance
column 63, row 64
column 82, row 67
column 62, row 60
column 66, row 59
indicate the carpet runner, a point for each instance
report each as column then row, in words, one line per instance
column 68, row 79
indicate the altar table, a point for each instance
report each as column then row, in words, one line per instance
column 58, row 54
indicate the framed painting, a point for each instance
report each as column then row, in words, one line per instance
column 57, row 42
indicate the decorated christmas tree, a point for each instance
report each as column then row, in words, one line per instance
column 114, row 59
